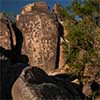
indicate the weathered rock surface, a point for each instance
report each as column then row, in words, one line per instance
column 8, row 38
column 57, row 12
column 90, row 74
column 40, row 35
column 4, row 32
column 10, row 57
column 5, row 37
column 34, row 84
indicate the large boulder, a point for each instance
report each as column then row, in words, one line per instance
column 34, row 84
column 40, row 35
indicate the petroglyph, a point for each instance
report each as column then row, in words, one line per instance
column 40, row 38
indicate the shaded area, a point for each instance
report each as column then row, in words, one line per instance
column 8, row 74
column 60, row 35
column 11, row 63
column 19, row 40
column 68, row 78
column 34, row 82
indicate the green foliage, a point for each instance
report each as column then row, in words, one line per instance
column 83, row 47
column 63, row 12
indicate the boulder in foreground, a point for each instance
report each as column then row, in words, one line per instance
column 34, row 84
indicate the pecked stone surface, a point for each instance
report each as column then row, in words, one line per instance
column 34, row 84
column 40, row 35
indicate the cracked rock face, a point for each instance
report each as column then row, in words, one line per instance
column 34, row 84
column 40, row 35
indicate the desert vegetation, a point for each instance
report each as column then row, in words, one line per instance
column 82, row 22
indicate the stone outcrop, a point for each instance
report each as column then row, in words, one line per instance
column 57, row 12
column 5, row 36
column 62, row 34
column 90, row 74
column 40, row 35
column 38, row 38
column 11, row 60
column 4, row 32
column 34, row 84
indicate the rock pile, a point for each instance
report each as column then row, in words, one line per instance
column 34, row 40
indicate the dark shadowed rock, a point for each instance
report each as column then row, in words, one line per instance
column 40, row 35
column 11, row 61
column 8, row 74
column 62, row 33
column 34, row 84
